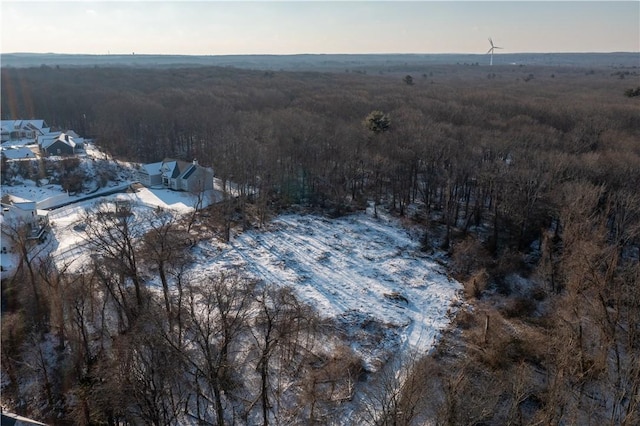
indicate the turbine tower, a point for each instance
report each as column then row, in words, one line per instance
column 493, row 47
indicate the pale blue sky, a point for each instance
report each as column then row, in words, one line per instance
column 269, row 27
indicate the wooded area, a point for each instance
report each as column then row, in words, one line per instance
column 513, row 170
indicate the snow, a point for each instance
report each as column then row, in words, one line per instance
column 13, row 153
column 362, row 271
column 178, row 201
column 28, row 190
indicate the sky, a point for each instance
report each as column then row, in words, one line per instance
column 295, row 27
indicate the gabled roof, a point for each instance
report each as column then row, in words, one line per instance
column 189, row 171
column 11, row 125
column 174, row 168
column 42, row 140
column 170, row 168
column 64, row 138
column 152, row 169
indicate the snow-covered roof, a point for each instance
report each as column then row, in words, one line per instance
column 169, row 168
column 17, row 152
column 11, row 125
column 21, row 203
column 47, row 137
column 62, row 137
column 152, row 169
column 16, row 199
column 15, row 124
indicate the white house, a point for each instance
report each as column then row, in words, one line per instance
column 23, row 132
column 177, row 175
column 18, row 214
column 18, row 211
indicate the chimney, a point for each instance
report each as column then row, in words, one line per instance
column 195, row 162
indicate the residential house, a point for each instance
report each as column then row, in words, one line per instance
column 18, row 211
column 58, row 144
column 177, row 175
column 22, row 132
column 20, row 223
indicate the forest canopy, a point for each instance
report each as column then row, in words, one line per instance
column 526, row 170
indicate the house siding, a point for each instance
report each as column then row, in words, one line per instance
column 199, row 180
column 59, row 148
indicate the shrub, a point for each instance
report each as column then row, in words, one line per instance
column 632, row 93
column 519, row 307
column 476, row 284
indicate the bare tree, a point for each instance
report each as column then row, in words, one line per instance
column 21, row 238
column 165, row 245
column 278, row 328
column 113, row 232
column 394, row 397
column 217, row 315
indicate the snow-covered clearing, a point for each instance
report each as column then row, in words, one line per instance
column 367, row 273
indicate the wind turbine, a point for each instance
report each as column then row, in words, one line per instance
column 493, row 47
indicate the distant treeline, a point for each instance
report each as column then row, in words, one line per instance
column 317, row 62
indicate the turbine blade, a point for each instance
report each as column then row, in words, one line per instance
column 491, row 41
column 489, row 51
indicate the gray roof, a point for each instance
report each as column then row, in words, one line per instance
column 63, row 137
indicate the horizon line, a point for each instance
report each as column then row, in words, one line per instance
column 317, row 54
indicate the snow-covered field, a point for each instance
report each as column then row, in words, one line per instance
column 367, row 273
